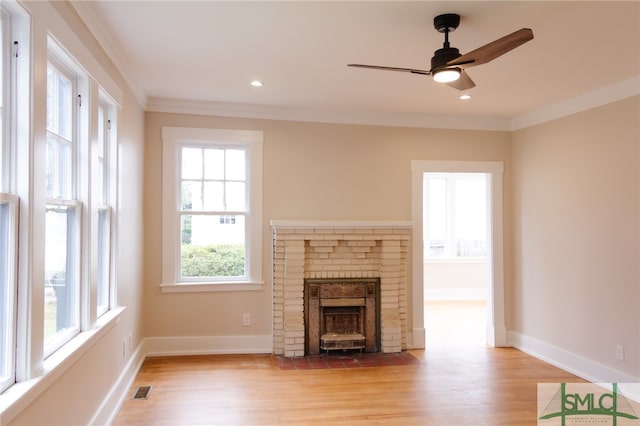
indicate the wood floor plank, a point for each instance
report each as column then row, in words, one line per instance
column 466, row 386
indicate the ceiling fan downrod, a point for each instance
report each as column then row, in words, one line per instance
column 445, row 24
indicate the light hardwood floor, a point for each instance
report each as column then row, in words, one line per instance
column 454, row 384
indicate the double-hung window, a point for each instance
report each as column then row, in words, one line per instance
column 63, row 210
column 58, row 192
column 8, row 259
column 8, row 210
column 103, row 196
column 212, row 213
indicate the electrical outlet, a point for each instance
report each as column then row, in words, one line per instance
column 620, row 352
column 246, row 320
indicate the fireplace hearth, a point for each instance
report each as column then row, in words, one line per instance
column 342, row 314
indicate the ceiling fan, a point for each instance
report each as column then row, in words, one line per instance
column 448, row 65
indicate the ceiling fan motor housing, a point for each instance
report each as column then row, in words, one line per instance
column 442, row 56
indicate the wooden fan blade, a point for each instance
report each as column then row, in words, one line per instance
column 377, row 67
column 491, row 51
column 463, row 83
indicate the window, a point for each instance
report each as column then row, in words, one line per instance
column 103, row 195
column 58, row 181
column 212, row 213
column 8, row 211
column 3, row 95
column 227, row 220
column 456, row 220
column 8, row 251
column 62, row 223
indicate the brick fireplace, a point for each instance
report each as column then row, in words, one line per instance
column 342, row 251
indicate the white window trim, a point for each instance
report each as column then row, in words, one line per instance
column 172, row 137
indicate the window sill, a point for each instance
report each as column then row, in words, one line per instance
column 207, row 287
column 21, row 394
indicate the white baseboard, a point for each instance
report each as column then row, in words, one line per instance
column 196, row 345
column 573, row 363
column 108, row 410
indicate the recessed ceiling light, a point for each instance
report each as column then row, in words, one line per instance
column 257, row 83
column 465, row 97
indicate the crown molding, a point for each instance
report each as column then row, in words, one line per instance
column 268, row 112
column 605, row 95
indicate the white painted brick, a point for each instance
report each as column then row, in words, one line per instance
column 324, row 231
column 361, row 249
column 323, row 243
column 324, row 249
column 361, row 243
column 280, row 231
column 294, row 237
column 363, row 231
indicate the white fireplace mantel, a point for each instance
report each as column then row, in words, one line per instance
column 341, row 224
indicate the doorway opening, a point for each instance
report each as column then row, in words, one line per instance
column 455, row 258
column 496, row 334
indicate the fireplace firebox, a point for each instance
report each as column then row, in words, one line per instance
column 342, row 314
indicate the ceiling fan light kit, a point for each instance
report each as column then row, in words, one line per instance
column 447, row 75
column 447, row 64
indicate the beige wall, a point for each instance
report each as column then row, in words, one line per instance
column 311, row 172
column 576, row 283
column 456, row 279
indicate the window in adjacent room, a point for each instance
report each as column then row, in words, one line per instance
column 212, row 211
column 455, row 211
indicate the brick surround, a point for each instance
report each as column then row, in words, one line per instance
column 311, row 250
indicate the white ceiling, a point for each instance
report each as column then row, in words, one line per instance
column 201, row 56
